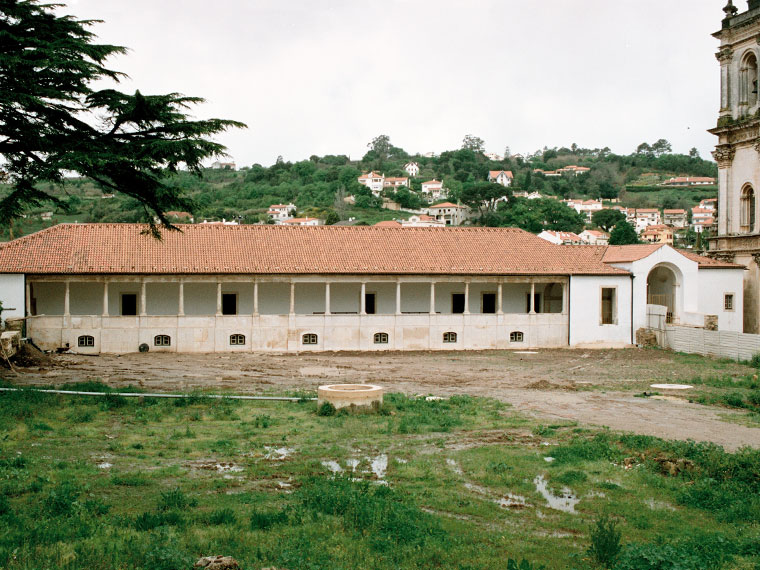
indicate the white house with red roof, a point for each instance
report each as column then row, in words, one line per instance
column 690, row 181
column 422, row 221
column 561, row 238
column 675, row 217
column 302, row 222
column 246, row 288
column 281, row 212
column 432, row 188
column 373, row 180
column 594, row 237
column 412, row 168
column 503, row 177
column 395, row 182
column 450, row 214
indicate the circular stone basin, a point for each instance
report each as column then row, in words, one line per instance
column 345, row 395
column 671, row 386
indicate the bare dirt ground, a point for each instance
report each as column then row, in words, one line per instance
column 591, row 387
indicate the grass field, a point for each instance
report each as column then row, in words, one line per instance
column 460, row 483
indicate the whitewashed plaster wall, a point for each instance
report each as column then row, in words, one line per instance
column 12, row 295
column 713, row 285
column 586, row 328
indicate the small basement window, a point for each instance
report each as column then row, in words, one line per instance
column 309, row 338
column 449, row 337
column 516, row 336
column 162, row 340
column 86, row 340
column 237, row 339
column 728, row 302
column 381, row 338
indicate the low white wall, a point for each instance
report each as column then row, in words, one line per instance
column 721, row 344
column 12, row 295
column 586, row 328
column 284, row 333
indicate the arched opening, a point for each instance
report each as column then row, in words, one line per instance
column 749, row 79
column 662, row 289
column 747, row 209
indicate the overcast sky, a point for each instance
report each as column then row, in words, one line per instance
column 326, row 76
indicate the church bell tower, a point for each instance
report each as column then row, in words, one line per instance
column 738, row 151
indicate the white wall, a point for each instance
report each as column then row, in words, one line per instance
column 48, row 298
column 586, row 326
column 12, row 295
column 713, row 285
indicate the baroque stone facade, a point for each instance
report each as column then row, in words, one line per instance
column 738, row 152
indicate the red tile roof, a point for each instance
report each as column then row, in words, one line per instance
column 267, row 249
column 446, row 205
column 388, row 224
column 629, row 253
column 495, row 173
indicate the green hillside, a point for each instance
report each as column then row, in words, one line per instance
column 319, row 186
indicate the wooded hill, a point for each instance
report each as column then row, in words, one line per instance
column 318, row 186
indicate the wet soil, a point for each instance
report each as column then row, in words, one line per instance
column 594, row 387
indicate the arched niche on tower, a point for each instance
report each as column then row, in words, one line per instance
column 747, row 209
column 748, row 82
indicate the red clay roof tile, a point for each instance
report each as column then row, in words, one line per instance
column 267, row 249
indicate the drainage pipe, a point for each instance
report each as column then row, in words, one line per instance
column 159, row 395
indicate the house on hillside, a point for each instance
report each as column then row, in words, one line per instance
column 213, row 288
column 503, row 177
column 394, row 183
column 281, row 212
column 448, row 213
column 422, row 221
column 642, row 218
column 412, row 168
column 573, row 170
column 675, row 217
column 561, row 238
column 594, row 237
column 689, row 181
column 658, row 233
column 223, row 165
column 373, row 181
column 433, row 189
column 302, row 222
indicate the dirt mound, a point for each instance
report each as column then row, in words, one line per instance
column 28, row 356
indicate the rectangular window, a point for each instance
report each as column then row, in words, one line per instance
column 609, row 306
column 129, row 304
column 369, row 303
column 229, row 303
column 728, row 302
column 489, row 302
column 457, row 303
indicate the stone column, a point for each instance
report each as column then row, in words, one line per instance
column 398, row 297
column 28, row 298
column 565, row 297
column 500, row 299
column 532, row 303
column 255, row 298
column 724, row 156
column 66, row 297
column 105, row 298
column 292, row 298
column 432, row 297
column 143, row 299
column 327, row 298
column 181, row 308
column 363, row 300
column 218, row 298
column 466, row 297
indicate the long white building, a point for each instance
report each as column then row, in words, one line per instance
column 211, row 288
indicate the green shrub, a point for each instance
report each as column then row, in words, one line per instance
column 129, row 479
column 263, row 520
column 61, row 499
column 150, row 520
column 605, row 542
column 175, row 499
column 326, row 409
column 735, row 400
column 754, row 362
column 222, row 517
column 5, row 505
column 582, row 449
column 571, row 477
